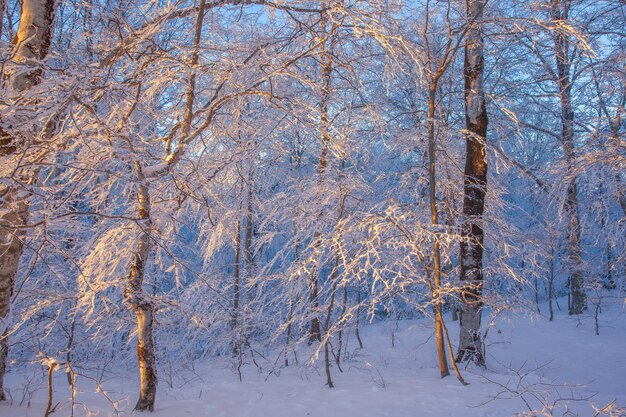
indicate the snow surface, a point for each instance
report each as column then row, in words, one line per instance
column 379, row 380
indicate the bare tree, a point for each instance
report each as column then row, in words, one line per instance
column 562, row 55
column 325, row 89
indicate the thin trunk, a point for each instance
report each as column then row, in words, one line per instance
column 551, row 279
column 248, row 262
column 235, row 313
column 569, row 295
column 537, row 295
column 342, row 316
column 329, row 314
column 609, row 267
column 610, row 282
column 140, row 301
column 49, row 408
column 32, row 45
column 3, row 6
column 315, row 329
column 357, row 330
column 191, row 91
column 326, row 66
column 291, row 301
column 288, row 341
column 560, row 12
column 68, row 354
column 135, row 295
column 475, row 187
column 432, row 157
column 329, row 381
column 455, row 367
column 88, row 28
column 435, row 282
column 4, row 352
column 247, row 248
column 620, row 194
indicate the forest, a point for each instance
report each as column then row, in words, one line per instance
column 229, row 207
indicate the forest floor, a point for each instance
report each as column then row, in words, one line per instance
column 532, row 362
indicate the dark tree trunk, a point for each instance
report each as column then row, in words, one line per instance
column 475, row 187
column 4, row 352
column 357, row 328
column 560, row 12
column 236, row 288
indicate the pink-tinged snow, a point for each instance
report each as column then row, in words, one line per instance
column 381, row 380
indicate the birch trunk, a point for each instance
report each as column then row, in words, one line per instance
column 560, row 12
column 141, row 303
column 32, row 44
column 475, row 187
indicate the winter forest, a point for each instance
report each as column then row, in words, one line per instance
column 319, row 208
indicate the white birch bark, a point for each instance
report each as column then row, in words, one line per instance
column 140, row 301
column 32, row 45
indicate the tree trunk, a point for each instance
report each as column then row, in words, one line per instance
column 315, row 329
column 32, row 44
column 249, row 264
column 291, row 300
column 326, row 64
column 329, row 314
column 3, row 6
column 141, row 302
column 436, row 284
column 4, row 352
column 357, row 328
column 551, row 277
column 236, row 288
column 475, row 187
column 341, row 319
column 560, row 12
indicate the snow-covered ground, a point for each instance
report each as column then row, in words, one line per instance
column 530, row 360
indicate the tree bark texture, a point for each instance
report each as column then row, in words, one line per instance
column 474, row 187
column 141, row 302
column 32, row 44
column 560, row 12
